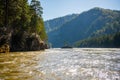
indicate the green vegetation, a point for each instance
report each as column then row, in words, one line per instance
column 95, row 22
column 19, row 21
column 55, row 24
column 108, row 41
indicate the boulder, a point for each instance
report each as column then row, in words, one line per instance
column 34, row 43
column 4, row 48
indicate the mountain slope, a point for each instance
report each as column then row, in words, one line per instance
column 56, row 23
column 108, row 41
column 95, row 22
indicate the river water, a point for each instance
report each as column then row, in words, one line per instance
column 62, row 64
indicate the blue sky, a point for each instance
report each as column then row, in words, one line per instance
column 58, row 8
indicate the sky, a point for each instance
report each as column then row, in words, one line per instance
column 58, row 8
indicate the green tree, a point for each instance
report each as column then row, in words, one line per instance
column 20, row 20
column 36, row 12
column 37, row 24
column 1, row 13
column 36, row 7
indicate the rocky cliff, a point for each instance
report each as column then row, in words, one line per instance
column 22, row 41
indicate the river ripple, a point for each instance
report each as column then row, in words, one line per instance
column 62, row 64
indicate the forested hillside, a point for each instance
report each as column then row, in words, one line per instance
column 21, row 24
column 104, row 41
column 92, row 23
column 54, row 24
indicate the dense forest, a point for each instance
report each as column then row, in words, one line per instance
column 93, row 23
column 21, row 25
column 105, row 41
column 55, row 24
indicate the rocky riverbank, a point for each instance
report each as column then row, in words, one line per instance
column 21, row 26
column 21, row 41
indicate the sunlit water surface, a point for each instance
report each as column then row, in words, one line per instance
column 62, row 64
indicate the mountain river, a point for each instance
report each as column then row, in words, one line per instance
column 62, row 64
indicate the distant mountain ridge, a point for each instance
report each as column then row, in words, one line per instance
column 56, row 23
column 92, row 23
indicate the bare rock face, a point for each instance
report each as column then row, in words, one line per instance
column 4, row 48
column 20, row 41
column 4, row 40
column 34, row 43
column 26, row 42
